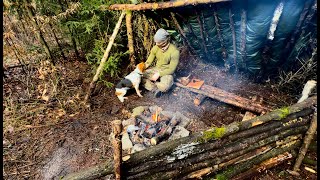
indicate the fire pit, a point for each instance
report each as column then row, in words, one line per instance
column 152, row 125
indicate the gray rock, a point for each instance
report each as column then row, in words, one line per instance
column 179, row 132
column 126, row 142
column 130, row 121
column 137, row 147
column 184, row 121
column 169, row 114
column 138, row 110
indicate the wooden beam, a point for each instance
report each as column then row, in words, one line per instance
column 227, row 97
column 161, row 5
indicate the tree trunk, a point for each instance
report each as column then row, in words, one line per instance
column 21, row 62
column 130, row 37
column 306, row 142
column 233, row 41
column 39, row 32
column 105, row 57
column 74, row 44
column 161, row 5
column 227, row 97
column 57, row 41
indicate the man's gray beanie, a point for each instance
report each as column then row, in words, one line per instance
column 161, row 35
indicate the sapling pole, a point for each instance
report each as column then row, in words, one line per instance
column 105, row 57
column 117, row 148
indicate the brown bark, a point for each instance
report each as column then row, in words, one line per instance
column 241, row 167
column 161, row 5
column 183, row 35
column 105, row 57
column 272, row 162
column 117, row 148
column 306, row 142
column 130, row 37
column 233, row 41
column 228, row 98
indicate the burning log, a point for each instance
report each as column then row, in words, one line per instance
column 165, row 133
column 228, row 98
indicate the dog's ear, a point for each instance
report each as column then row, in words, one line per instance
column 141, row 66
column 118, row 93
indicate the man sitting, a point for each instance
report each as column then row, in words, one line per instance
column 159, row 78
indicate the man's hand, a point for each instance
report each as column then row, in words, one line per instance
column 155, row 76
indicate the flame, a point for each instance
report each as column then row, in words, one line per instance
column 155, row 116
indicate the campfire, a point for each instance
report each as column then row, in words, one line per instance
column 152, row 126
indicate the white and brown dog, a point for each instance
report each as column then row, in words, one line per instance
column 130, row 81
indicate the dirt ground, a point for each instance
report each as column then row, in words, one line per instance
column 47, row 139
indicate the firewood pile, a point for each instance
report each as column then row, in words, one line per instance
column 150, row 126
column 232, row 151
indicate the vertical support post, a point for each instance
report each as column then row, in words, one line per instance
column 233, row 40
column 117, row 147
column 243, row 37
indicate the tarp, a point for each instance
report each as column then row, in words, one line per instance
column 259, row 14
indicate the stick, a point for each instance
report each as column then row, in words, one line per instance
column 233, row 40
column 306, row 142
column 105, row 57
column 161, row 5
column 117, row 129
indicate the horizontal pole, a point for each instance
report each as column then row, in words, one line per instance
column 161, row 5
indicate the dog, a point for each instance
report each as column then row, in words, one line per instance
column 130, row 81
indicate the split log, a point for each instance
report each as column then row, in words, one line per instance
column 272, row 162
column 161, row 5
column 227, row 97
column 117, row 148
column 105, row 57
column 306, row 142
